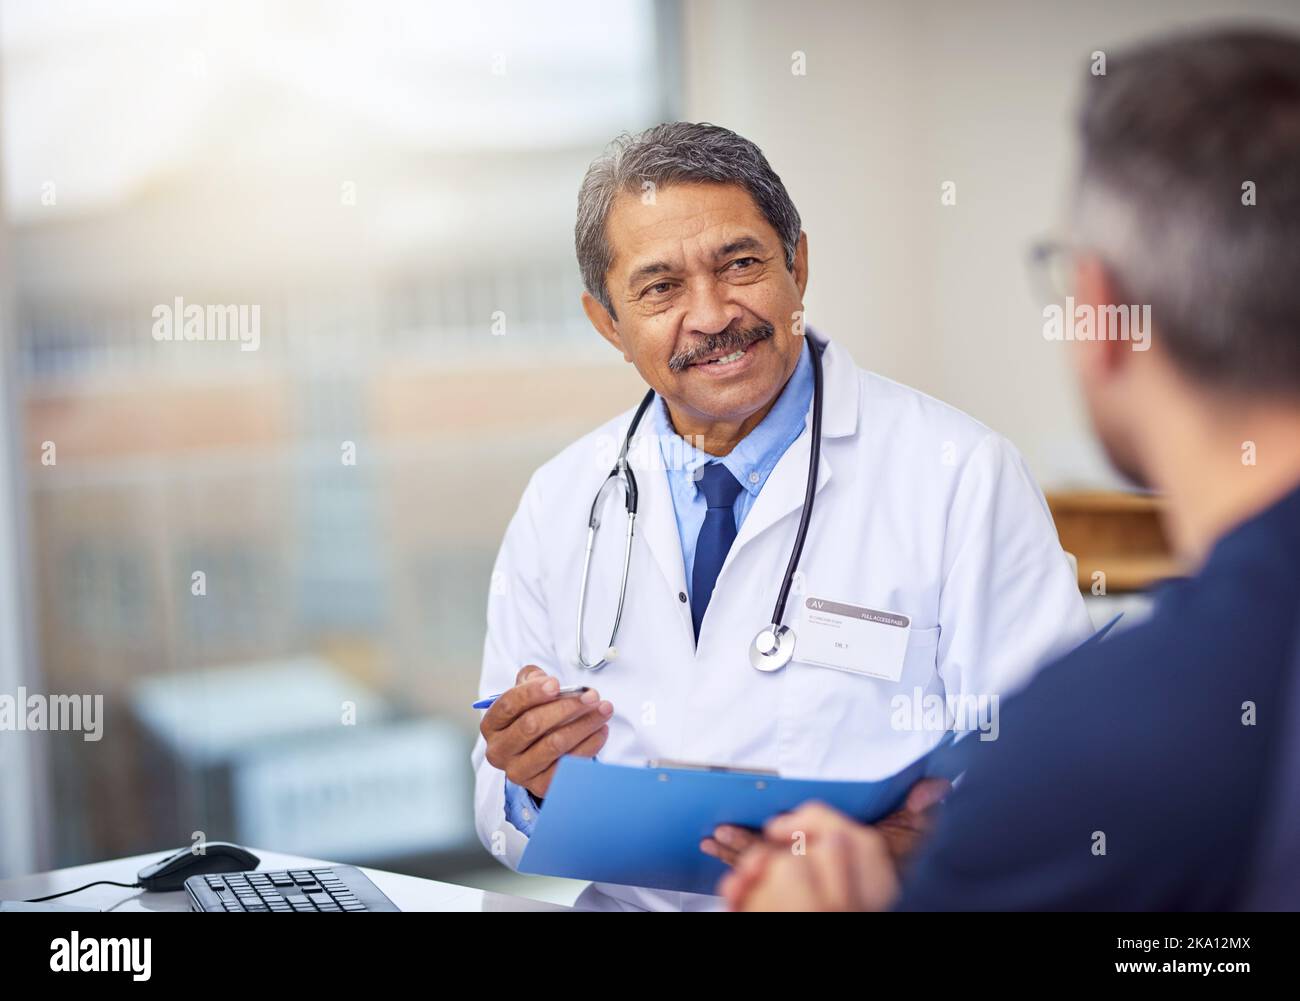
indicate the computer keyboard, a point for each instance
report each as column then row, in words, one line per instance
column 340, row 889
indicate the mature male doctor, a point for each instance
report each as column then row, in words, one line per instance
column 695, row 267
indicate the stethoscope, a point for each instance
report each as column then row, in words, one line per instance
column 773, row 647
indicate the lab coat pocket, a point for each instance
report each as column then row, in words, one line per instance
column 839, row 724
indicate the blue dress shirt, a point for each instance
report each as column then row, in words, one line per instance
column 750, row 462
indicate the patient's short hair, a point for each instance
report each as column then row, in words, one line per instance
column 1190, row 193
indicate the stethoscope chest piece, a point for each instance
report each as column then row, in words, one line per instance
column 772, row 648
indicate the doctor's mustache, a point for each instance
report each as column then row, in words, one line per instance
column 724, row 342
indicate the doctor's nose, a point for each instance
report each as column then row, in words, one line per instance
column 708, row 311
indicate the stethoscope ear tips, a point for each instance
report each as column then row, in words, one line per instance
column 611, row 653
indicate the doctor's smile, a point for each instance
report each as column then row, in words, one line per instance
column 718, row 354
column 760, row 453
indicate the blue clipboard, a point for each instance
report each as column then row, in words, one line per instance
column 642, row 826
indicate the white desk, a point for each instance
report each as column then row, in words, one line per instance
column 407, row 892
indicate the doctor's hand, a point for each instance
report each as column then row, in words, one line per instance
column 729, row 842
column 529, row 728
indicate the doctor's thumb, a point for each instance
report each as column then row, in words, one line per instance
column 526, row 672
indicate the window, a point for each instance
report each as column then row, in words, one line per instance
column 286, row 281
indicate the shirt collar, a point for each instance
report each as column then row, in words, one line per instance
column 756, row 455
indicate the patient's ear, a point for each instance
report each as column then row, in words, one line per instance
column 603, row 322
column 1094, row 286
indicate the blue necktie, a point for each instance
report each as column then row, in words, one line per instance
column 718, row 532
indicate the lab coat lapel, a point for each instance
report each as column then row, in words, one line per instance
column 787, row 484
column 783, row 492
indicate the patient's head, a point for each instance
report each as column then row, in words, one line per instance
column 1188, row 201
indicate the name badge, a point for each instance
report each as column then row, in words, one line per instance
column 852, row 638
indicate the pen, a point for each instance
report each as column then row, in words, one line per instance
column 566, row 690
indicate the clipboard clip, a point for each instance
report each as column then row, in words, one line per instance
column 696, row 766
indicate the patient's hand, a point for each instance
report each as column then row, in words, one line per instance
column 818, row 859
column 848, row 867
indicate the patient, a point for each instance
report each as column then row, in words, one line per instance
column 1143, row 772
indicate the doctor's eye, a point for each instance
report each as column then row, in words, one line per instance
column 657, row 290
column 741, row 263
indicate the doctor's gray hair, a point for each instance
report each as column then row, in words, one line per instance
column 1189, row 192
column 673, row 153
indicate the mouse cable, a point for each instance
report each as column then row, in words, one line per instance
column 99, row 882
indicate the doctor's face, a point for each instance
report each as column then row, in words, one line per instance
column 705, row 306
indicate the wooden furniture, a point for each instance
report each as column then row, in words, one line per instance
column 1118, row 535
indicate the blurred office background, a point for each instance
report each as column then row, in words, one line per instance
column 393, row 185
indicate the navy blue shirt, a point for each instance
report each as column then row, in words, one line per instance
column 1139, row 739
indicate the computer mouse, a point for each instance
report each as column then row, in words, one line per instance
column 170, row 873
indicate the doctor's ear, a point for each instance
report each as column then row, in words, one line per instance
column 800, row 268
column 603, row 322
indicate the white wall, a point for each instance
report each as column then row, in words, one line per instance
column 898, row 98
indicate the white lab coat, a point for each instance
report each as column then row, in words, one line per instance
column 919, row 509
